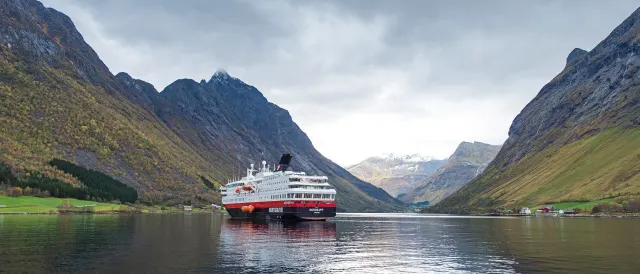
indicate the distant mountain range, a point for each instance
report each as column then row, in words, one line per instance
column 416, row 179
column 396, row 174
column 59, row 100
column 577, row 140
column 468, row 161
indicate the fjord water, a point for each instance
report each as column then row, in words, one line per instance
column 349, row 243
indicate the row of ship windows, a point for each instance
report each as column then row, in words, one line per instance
column 303, row 195
column 310, row 187
column 307, row 180
column 295, row 180
column 270, row 183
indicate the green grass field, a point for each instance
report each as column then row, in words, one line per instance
column 41, row 205
column 30, row 204
column 584, row 207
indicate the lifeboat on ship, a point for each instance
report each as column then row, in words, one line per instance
column 238, row 190
column 247, row 187
column 247, row 209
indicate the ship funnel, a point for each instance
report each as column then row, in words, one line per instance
column 284, row 162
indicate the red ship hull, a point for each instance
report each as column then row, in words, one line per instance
column 283, row 210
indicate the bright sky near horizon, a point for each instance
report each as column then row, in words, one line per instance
column 360, row 77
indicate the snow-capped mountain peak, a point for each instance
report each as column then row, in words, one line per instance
column 415, row 157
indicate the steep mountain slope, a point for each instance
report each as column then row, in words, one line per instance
column 467, row 162
column 578, row 139
column 396, row 174
column 58, row 100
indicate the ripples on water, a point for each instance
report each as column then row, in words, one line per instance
column 349, row 243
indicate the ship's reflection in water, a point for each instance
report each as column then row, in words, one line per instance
column 273, row 246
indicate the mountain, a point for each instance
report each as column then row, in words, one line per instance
column 577, row 140
column 396, row 174
column 59, row 100
column 467, row 162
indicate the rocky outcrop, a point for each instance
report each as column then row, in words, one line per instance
column 575, row 54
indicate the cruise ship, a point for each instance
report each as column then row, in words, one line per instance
column 279, row 194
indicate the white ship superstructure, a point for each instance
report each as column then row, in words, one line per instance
column 279, row 194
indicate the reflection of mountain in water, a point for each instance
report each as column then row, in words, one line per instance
column 172, row 243
column 564, row 245
column 61, row 243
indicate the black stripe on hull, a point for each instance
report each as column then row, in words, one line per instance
column 285, row 213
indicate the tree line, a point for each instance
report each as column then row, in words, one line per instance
column 97, row 185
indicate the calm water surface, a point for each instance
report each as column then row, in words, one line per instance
column 350, row 243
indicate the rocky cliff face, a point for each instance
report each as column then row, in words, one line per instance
column 396, row 174
column 467, row 162
column 59, row 100
column 589, row 113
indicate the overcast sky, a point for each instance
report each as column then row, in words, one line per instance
column 361, row 78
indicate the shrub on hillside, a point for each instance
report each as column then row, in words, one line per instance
column 14, row 192
column 607, row 208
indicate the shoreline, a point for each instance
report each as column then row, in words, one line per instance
column 621, row 215
column 108, row 212
column 31, row 205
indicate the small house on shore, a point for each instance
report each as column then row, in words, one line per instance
column 547, row 208
column 525, row 210
column 187, row 208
